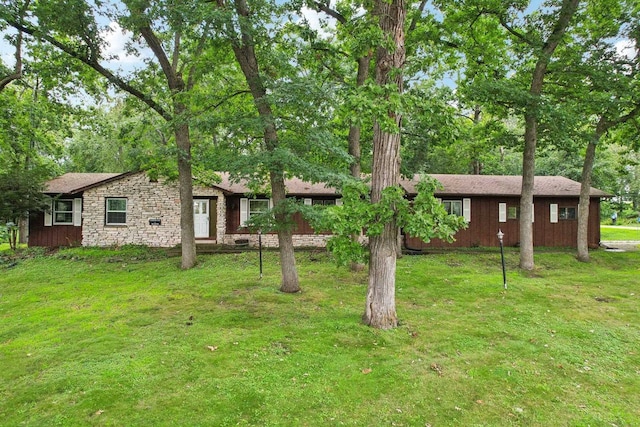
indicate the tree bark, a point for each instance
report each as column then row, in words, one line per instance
column 245, row 55
column 585, row 199
column 180, row 124
column 354, row 131
column 354, row 143
column 567, row 11
column 290, row 283
column 380, row 307
column 185, row 186
column 526, row 195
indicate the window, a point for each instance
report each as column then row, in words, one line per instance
column 329, row 202
column 453, row 207
column 63, row 212
column 512, row 212
column 567, row 213
column 116, row 211
column 250, row 207
column 258, row 206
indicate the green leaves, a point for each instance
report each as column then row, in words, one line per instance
column 423, row 217
column 426, row 217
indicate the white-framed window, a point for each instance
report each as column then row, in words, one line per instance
column 258, row 206
column 250, row 207
column 116, row 211
column 458, row 207
column 63, row 212
column 567, row 213
column 453, row 207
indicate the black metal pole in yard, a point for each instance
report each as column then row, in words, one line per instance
column 504, row 271
column 260, row 250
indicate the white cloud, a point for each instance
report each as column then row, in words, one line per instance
column 626, row 48
column 7, row 52
column 117, row 40
column 319, row 21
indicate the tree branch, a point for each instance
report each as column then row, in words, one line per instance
column 154, row 43
column 17, row 69
column 17, row 73
column 93, row 63
column 199, row 49
column 414, row 21
column 323, row 7
column 513, row 31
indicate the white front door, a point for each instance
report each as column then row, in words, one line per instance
column 201, row 218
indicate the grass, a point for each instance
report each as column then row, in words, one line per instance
column 123, row 337
column 613, row 232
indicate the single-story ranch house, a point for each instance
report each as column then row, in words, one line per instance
column 106, row 209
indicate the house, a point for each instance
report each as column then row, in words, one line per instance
column 130, row 208
column 91, row 209
column 491, row 203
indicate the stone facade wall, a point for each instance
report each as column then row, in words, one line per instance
column 271, row 240
column 145, row 200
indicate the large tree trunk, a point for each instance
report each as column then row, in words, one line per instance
column 567, row 11
column 380, row 307
column 245, row 55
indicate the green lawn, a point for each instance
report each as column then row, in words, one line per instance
column 125, row 338
column 614, row 232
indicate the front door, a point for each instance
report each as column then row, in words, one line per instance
column 201, row 218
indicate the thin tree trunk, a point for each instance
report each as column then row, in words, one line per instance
column 177, row 87
column 23, row 230
column 380, row 307
column 526, row 195
column 354, row 142
column 354, row 131
column 245, row 55
column 567, row 11
column 185, row 186
column 290, row 283
column 585, row 199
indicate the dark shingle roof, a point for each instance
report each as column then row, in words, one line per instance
column 453, row 185
column 498, row 185
column 295, row 187
column 71, row 183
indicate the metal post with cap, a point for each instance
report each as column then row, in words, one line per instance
column 260, row 250
column 504, row 272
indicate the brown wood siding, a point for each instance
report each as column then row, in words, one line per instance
column 485, row 224
column 54, row 236
column 233, row 218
